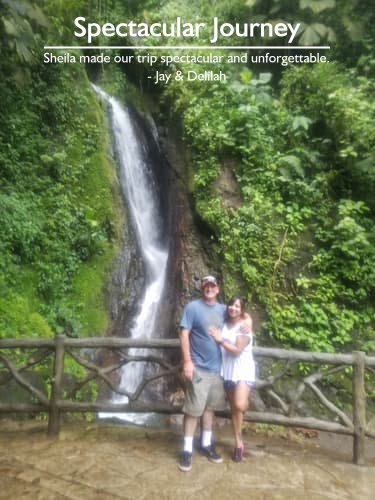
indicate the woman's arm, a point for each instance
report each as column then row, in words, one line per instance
column 241, row 341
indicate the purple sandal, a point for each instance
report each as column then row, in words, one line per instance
column 238, row 454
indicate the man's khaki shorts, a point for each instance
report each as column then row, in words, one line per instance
column 204, row 392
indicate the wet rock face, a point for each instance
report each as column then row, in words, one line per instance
column 126, row 284
column 190, row 256
column 226, row 186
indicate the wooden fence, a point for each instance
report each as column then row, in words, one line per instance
column 20, row 357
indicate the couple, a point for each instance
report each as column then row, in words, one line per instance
column 216, row 342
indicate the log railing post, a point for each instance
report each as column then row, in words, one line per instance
column 58, row 372
column 359, row 407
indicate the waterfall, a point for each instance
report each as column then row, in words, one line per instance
column 139, row 188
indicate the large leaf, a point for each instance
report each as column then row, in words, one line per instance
column 316, row 32
column 309, row 36
column 23, row 52
column 301, row 122
column 366, row 166
column 9, row 26
column 35, row 14
column 251, row 3
column 265, row 77
column 317, row 6
column 292, row 164
column 320, row 28
column 355, row 28
column 246, row 76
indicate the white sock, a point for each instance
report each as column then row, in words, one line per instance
column 188, row 444
column 206, row 438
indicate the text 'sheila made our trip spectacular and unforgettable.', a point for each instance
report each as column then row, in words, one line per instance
column 190, row 75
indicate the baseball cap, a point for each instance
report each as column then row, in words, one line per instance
column 208, row 279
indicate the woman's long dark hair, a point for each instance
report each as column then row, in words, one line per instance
column 231, row 302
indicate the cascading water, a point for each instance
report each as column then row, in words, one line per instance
column 138, row 185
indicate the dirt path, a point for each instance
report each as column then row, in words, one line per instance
column 109, row 461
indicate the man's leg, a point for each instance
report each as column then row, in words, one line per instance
column 190, row 424
column 215, row 400
column 201, row 395
column 207, row 421
column 207, row 447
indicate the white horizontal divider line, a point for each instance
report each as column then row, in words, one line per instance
column 187, row 47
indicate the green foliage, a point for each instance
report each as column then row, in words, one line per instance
column 18, row 319
column 300, row 239
column 342, row 109
column 56, row 206
column 16, row 26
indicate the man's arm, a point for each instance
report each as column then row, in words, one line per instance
column 247, row 324
column 187, row 364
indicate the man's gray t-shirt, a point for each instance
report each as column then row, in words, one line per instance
column 197, row 317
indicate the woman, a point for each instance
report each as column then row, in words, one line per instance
column 238, row 368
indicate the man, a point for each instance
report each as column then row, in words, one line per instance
column 201, row 358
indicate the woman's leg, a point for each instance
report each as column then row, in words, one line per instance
column 230, row 395
column 239, row 404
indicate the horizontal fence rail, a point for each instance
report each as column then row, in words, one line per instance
column 48, row 357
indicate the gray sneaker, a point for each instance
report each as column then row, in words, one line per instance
column 185, row 461
column 211, row 453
